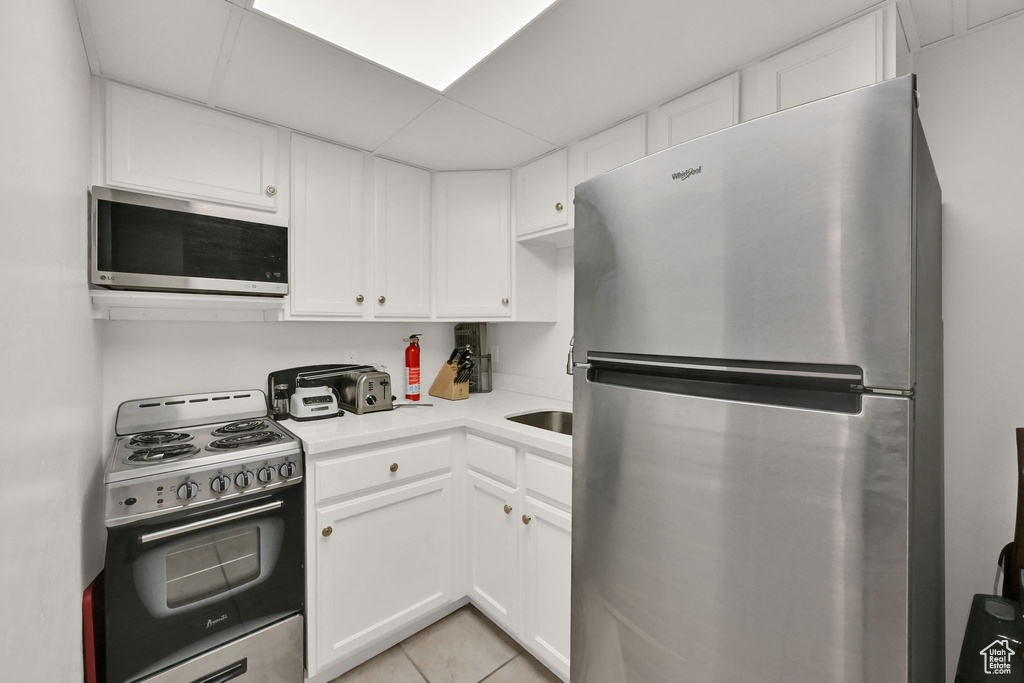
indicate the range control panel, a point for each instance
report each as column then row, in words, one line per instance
column 144, row 497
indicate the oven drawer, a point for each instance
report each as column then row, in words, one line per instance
column 270, row 655
column 380, row 467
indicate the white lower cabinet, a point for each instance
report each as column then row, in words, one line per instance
column 382, row 561
column 547, row 562
column 394, row 539
column 493, row 549
column 520, row 547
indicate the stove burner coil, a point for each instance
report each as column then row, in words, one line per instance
column 156, row 438
column 239, row 427
column 167, row 453
column 243, row 440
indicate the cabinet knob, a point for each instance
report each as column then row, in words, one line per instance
column 327, row 531
column 271, row 190
column 558, row 206
column 381, row 299
column 505, row 301
column 526, row 519
column 360, row 298
column 394, row 467
column 508, row 509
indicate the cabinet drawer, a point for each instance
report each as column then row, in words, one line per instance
column 379, row 467
column 549, row 480
column 492, row 458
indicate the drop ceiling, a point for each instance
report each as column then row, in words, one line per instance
column 580, row 67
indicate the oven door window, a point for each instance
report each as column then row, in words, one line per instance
column 212, row 566
column 202, row 567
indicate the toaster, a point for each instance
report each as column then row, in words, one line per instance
column 364, row 391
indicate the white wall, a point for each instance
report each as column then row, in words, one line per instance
column 51, row 528
column 151, row 358
column 972, row 103
column 531, row 356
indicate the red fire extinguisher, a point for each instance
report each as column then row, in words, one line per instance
column 412, row 367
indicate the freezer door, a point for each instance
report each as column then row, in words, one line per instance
column 787, row 238
column 717, row 542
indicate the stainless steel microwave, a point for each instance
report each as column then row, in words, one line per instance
column 146, row 242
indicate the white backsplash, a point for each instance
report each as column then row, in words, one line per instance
column 558, row 389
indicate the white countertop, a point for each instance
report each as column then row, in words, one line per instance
column 481, row 413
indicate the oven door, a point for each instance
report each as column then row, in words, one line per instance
column 187, row 582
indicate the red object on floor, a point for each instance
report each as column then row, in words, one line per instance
column 89, row 633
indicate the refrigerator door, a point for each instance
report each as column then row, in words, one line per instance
column 717, row 542
column 787, row 238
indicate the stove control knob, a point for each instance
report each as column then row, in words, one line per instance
column 287, row 469
column 220, row 484
column 243, row 479
column 188, row 490
column 266, row 474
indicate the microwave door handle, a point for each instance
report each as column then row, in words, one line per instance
column 212, row 521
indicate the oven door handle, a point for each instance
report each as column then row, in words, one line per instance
column 212, row 521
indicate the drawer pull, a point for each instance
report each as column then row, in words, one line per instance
column 508, row 509
column 394, row 467
column 327, row 531
column 526, row 519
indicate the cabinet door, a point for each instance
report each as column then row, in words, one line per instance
column 493, row 549
column 845, row 58
column 327, row 230
column 547, row 560
column 401, row 240
column 158, row 144
column 605, row 151
column 472, row 244
column 386, row 561
column 700, row 112
column 541, row 196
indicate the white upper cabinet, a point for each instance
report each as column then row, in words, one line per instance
column 162, row 145
column 541, row 195
column 853, row 55
column 327, row 230
column 472, row 245
column 703, row 111
column 605, row 151
column 401, row 240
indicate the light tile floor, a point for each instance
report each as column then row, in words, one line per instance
column 464, row 647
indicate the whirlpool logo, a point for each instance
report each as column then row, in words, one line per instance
column 683, row 175
column 211, row 622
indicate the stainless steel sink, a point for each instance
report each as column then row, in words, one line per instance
column 551, row 420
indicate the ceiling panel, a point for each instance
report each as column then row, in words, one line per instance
column 452, row 137
column 586, row 64
column 983, row 11
column 933, row 19
column 281, row 75
column 168, row 46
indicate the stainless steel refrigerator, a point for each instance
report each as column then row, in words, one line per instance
column 757, row 458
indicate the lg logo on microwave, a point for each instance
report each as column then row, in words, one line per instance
column 211, row 622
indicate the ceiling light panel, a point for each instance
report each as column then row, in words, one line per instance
column 431, row 41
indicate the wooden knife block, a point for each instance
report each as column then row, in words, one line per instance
column 444, row 385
